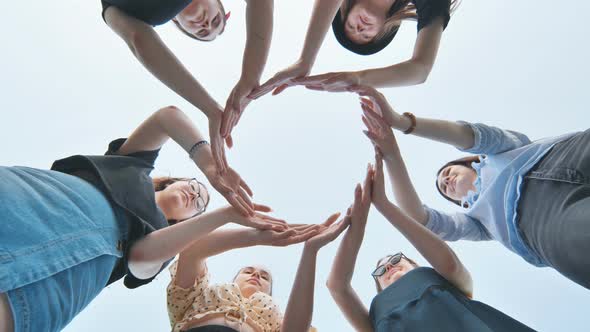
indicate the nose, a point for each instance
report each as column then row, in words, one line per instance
column 360, row 27
column 256, row 273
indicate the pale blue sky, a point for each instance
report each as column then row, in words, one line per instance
column 70, row 86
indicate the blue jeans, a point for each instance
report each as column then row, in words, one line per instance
column 555, row 208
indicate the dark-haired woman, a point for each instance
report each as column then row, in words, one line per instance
column 531, row 196
column 366, row 27
column 203, row 20
column 410, row 298
column 89, row 221
column 246, row 303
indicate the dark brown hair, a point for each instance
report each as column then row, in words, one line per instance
column 466, row 162
column 377, row 285
column 188, row 34
column 162, row 182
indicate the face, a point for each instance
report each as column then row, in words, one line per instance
column 456, row 180
column 183, row 199
column 362, row 24
column 252, row 279
column 202, row 18
column 393, row 271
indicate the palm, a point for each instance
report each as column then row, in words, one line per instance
column 234, row 108
column 327, row 232
column 376, row 101
column 332, row 82
column 281, row 80
column 234, row 189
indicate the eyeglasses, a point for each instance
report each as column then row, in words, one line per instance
column 393, row 260
column 195, row 188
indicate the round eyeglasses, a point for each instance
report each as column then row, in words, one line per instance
column 199, row 202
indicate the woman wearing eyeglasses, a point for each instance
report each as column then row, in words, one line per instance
column 246, row 303
column 533, row 197
column 201, row 20
column 409, row 297
column 69, row 232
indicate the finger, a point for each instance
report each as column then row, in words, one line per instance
column 224, row 130
column 245, row 203
column 371, row 114
column 368, row 124
column 234, row 201
column 218, row 156
column 331, row 219
column 358, row 191
column 229, row 141
column 233, row 121
column 262, row 208
column 311, row 80
column 246, row 187
column 374, row 138
column 246, row 198
column 367, row 187
column 267, row 87
column 315, row 87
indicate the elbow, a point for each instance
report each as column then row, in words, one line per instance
column 422, row 70
column 137, row 254
column 335, row 286
column 165, row 114
column 137, row 40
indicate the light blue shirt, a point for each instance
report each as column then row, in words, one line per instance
column 492, row 215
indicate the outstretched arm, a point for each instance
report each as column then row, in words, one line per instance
column 171, row 122
column 148, row 48
column 339, row 280
column 259, row 25
column 300, row 307
column 436, row 251
column 321, row 17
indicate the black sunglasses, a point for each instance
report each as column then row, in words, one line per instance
column 393, row 260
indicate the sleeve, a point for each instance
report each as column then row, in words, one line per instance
column 105, row 5
column 179, row 299
column 428, row 10
column 453, row 227
column 132, row 281
column 146, row 156
column 492, row 140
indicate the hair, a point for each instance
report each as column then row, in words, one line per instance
column 190, row 35
column 162, row 182
column 466, row 162
column 240, row 270
column 400, row 10
column 377, row 285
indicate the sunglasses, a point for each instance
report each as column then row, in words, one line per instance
column 393, row 260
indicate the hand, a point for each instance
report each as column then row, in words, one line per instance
column 359, row 211
column 378, row 131
column 235, row 105
column 233, row 188
column 217, row 148
column 327, row 232
column 292, row 235
column 377, row 102
column 332, row 82
column 257, row 220
column 282, row 80
column 378, row 195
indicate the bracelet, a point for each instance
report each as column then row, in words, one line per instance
column 412, row 118
column 195, row 147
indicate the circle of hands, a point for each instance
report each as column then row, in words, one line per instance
column 379, row 118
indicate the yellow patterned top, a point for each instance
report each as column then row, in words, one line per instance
column 202, row 299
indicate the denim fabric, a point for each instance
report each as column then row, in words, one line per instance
column 50, row 222
column 509, row 157
column 554, row 213
column 51, row 303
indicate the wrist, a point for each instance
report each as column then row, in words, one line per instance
column 361, row 77
column 310, row 250
column 305, row 63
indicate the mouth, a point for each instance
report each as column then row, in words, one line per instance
column 252, row 280
column 392, row 272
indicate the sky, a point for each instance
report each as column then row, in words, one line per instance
column 70, row 85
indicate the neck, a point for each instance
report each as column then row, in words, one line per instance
column 160, row 203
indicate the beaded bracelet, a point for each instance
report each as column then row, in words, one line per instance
column 195, row 147
column 412, row 118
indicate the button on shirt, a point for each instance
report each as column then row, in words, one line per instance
column 492, row 216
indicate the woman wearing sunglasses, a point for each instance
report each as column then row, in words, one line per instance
column 201, row 20
column 409, row 297
column 94, row 219
column 246, row 303
column 533, row 197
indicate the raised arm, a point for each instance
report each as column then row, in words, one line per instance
column 321, row 17
column 147, row 255
column 300, row 306
column 339, row 280
column 259, row 26
column 171, row 122
column 435, row 250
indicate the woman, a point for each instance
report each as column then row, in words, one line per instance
column 410, row 298
column 91, row 220
column 245, row 304
column 533, row 197
column 366, row 27
column 204, row 20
